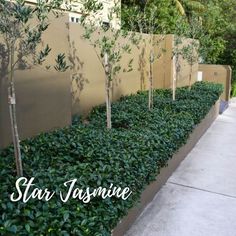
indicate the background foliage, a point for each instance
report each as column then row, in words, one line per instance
column 217, row 19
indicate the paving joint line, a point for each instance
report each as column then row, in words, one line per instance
column 203, row 190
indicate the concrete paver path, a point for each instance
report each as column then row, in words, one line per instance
column 199, row 199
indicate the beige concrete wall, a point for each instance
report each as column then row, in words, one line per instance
column 43, row 96
column 90, row 90
column 218, row 74
column 185, row 73
column 163, row 68
column 88, row 78
column 185, row 69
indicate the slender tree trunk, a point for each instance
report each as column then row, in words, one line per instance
column 150, row 94
column 108, row 89
column 108, row 103
column 12, row 110
column 190, row 78
column 142, row 60
column 174, row 78
column 142, row 68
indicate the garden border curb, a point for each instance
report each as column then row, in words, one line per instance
column 150, row 191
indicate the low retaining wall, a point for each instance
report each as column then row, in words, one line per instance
column 221, row 74
column 151, row 190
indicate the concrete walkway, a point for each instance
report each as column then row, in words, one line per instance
column 199, row 199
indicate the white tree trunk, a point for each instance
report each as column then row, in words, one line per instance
column 150, row 94
column 15, row 135
column 190, row 78
column 12, row 110
column 108, row 89
column 174, row 79
column 108, row 103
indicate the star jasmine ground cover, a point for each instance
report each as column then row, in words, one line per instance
column 129, row 155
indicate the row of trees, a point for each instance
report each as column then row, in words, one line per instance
column 22, row 27
column 109, row 49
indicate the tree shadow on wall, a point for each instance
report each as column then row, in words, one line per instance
column 141, row 63
column 4, row 61
column 142, row 66
column 20, row 61
column 78, row 80
column 4, row 64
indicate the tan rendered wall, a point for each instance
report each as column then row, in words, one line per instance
column 43, row 96
column 185, row 69
column 218, row 74
column 162, row 68
column 91, row 89
column 88, row 77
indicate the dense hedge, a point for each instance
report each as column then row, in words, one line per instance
column 131, row 154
